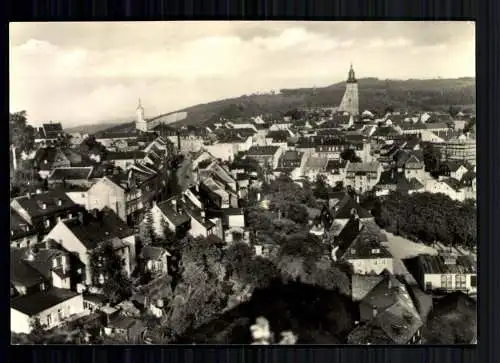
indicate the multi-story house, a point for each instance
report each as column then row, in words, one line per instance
column 362, row 177
column 266, row 156
column 39, row 289
column 445, row 272
column 124, row 159
column 88, row 232
column 49, row 158
column 387, row 316
column 22, row 234
column 119, row 193
column 43, row 210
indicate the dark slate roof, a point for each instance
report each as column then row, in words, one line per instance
column 22, row 273
column 176, row 218
column 345, row 207
column 50, row 154
column 124, row 155
column 262, row 150
column 19, row 226
column 366, row 245
column 71, row 173
column 453, row 183
column 33, row 204
column 452, row 165
column 437, row 265
column 43, row 262
column 278, row 135
column 37, row 302
column 52, row 130
column 335, row 164
column 363, row 284
column 385, row 131
column 152, row 252
column 292, row 155
column 94, row 231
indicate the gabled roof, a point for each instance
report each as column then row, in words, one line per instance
column 53, row 201
column 437, row 265
column 363, row 284
column 21, row 273
column 153, row 253
column 453, row 183
column 345, row 207
column 371, row 167
column 96, row 230
column 316, row 163
column 366, row 245
column 37, row 302
column 176, row 217
column 71, row 173
column 124, row 155
column 262, row 150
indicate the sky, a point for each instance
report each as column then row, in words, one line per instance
column 83, row 73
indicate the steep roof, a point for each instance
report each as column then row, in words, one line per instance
column 177, row 218
column 371, row 167
column 105, row 226
column 20, row 272
column 37, row 302
column 262, row 150
column 152, row 252
column 439, row 265
column 366, row 245
column 54, row 201
column 78, row 173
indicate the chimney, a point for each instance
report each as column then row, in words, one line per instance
column 80, row 217
column 14, row 157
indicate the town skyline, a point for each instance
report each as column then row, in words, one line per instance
column 97, row 71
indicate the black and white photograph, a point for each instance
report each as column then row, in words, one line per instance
column 243, row 182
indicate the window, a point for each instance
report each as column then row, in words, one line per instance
column 447, row 281
column 473, row 281
column 47, row 223
column 460, row 281
column 60, row 314
column 49, row 320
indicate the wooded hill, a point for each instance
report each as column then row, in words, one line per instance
column 374, row 94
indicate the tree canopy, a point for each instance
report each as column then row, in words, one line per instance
column 429, row 217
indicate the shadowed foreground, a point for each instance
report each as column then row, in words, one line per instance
column 314, row 314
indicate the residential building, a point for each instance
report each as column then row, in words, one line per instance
column 72, row 176
column 119, row 193
column 265, row 155
column 49, row 158
column 124, row 159
column 49, row 133
column 462, row 148
column 154, row 260
column 362, row 177
column 88, row 232
column 50, row 306
column 387, row 316
column 43, row 210
column 445, row 272
column 360, row 244
column 22, row 234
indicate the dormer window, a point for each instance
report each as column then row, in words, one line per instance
column 59, row 202
column 44, row 205
column 47, row 223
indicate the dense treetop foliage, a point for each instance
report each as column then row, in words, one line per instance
column 427, row 217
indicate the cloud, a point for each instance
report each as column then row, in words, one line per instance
column 86, row 72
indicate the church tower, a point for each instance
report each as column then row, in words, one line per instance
column 141, row 123
column 350, row 101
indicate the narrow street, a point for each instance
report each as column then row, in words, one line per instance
column 184, row 174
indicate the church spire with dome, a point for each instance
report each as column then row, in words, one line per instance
column 351, row 77
column 140, row 123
